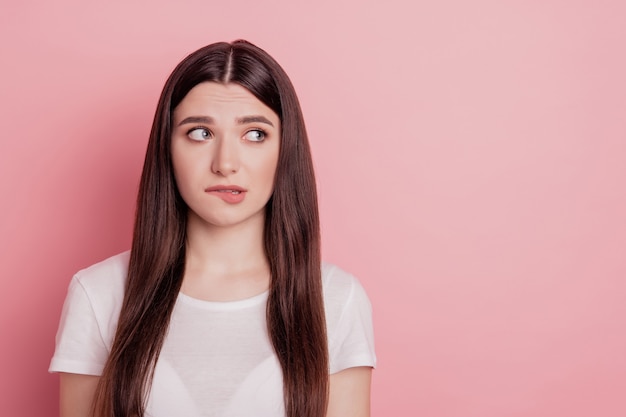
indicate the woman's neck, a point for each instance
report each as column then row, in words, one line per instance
column 225, row 263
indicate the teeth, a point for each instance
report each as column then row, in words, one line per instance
column 236, row 192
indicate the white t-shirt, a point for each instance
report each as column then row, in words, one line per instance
column 217, row 359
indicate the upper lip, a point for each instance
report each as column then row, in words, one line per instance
column 225, row 188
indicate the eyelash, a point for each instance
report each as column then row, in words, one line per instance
column 190, row 131
column 262, row 133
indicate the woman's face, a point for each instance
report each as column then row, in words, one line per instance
column 225, row 145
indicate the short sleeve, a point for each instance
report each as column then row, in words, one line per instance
column 351, row 342
column 80, row 347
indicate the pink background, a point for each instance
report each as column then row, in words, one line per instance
column 471, row 160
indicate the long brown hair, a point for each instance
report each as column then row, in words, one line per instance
column 295, row 310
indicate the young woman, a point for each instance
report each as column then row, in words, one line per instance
column 222, row 307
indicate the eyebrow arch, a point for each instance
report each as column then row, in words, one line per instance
column 241, row 120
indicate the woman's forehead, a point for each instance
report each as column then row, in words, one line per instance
column 222, row 102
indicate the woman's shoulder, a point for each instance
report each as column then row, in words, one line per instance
column 341, row 289
column 90, row 314
column 348, row 320
column 337, row 282
column 105, row 277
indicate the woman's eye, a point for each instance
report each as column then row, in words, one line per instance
column 199, row 134
column 255, row 136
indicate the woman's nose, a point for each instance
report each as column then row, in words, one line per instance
column 226, row 157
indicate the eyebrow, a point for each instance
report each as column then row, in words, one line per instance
column 254, row 119
column 240, row 120
column 197, row 119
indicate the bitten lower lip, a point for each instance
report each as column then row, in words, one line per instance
column 226, row 188
column 231, row 194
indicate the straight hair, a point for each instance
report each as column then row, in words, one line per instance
column 295, row 309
